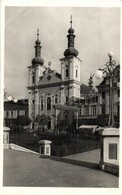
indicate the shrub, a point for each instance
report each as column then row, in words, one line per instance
column 101, row 121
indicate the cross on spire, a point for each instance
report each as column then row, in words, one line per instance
column 38, row 33
column 71, row 21
column 49, row 64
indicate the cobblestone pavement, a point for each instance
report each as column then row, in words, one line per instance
column 26, row 169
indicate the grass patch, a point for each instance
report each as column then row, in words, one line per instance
column 62, row 145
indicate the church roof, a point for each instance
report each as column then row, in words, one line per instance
column 20, row 104
column 86, row 90
column 50, row 71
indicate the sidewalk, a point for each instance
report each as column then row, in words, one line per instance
column 26, row 169
column 92, row 156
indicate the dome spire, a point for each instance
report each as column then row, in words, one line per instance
column 37, row 33
column 71, row 21
column 37, row 46
column 37, row 59
column 71, row 50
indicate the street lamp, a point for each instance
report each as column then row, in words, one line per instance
column 109, row 72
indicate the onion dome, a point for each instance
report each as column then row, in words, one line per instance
column 71, row 30
column 37, row 42
column 37, row 60
column 71, row 51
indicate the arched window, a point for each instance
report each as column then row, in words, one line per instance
column 56, row 99
column 67, row 72
column 33, row 79
column 48, row 103
column 67, row 98
column 42, row 103
column 49, row 124
column 76, row 73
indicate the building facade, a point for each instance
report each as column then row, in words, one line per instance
column 49, row 92
column 103, row 90
column 91, row 104
column 12, row 110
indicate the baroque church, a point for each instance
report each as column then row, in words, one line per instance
column 50, row 92
column 63, row 96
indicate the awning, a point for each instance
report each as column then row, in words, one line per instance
column 94, row 127
column 64, row 107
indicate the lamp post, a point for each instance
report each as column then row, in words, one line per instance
column 109, row 72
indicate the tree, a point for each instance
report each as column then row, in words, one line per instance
column 42, row 120
column 23, row 121
column 63, row 126
column 101, row 121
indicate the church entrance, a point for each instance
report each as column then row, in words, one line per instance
column 66, row 114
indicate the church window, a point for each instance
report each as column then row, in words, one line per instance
column 103, row 94
column 67, row 72
column 32, row 125
column 33, row 79
column 48, row 103
column 56, row 99
column 49, row 77
column 76, row 73
column 49, row 124
column 41, row 104
column 66, row 98
column 97, row 99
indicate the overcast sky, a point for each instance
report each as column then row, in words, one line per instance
column 97, row 31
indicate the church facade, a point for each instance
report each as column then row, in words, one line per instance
column 51, row 93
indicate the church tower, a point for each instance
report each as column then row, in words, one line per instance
column 37, row 68
column 34, row 74
column 70, row 67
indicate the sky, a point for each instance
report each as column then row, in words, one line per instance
column 97, row 32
